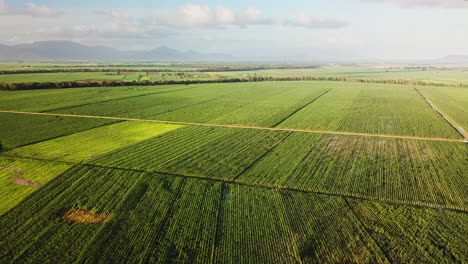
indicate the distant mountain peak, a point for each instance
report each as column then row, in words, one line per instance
column 454, row 58
column 69, row 50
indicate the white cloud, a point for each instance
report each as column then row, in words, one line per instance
column 425, row 3
column 39, row 11
column 194, row 15
column 121, row 15
column 254, row 16
column 29, row 9
column 189, row 15
column 303, row 20
column 2, row 6
column 225, row 15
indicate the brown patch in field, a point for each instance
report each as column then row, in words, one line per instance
column 17, row 179
column 416, row 150
column 20, row 181
column 154, row 73
column 58, row 155
column 92, row 155
column 362, row 147
column 83, row 216
column 128, row 73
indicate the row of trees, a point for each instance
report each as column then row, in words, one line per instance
column 115, row 69
column 250, row 78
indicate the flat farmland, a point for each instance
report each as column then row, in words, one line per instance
column 252, row 172
column 58, row 77
column 327, row 106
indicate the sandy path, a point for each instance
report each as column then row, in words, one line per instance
column 244, row 127
column 449, row 120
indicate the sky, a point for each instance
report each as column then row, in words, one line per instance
column 292, row 29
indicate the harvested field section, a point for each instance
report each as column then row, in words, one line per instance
column 409, row 171
column 221, row 153
column 94, row 142
column 375, row 109
column 21, row 177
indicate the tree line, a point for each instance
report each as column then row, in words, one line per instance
column 250, row 78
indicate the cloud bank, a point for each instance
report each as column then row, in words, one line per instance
column 29, row 9
column 424, row 3
column 195, row 15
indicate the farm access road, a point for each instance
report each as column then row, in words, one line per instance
column 242, row 126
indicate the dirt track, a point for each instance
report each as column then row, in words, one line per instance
column 244, row 127
column 449, row 120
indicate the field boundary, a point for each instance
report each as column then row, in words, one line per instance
column 287, row 188
column 444, row 116
column 330, row 132
column 302, row 107
column 255, row 185
column 120, row 98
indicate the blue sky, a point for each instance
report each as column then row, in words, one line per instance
column 293, row 29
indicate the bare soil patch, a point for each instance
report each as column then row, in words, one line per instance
column 17, row 179
column 154, row 73
column 20, row 181
column 128, row 73
column 83, row 216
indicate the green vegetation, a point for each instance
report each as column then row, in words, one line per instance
column 21, row 177
column 19, row 130
column 57, row 77
column 376, row 109
column 159, row 219
column 452, row 101
column 92, row 143
column 274, row 163
column 64, row 98
column 222, row 153
column 410, row 171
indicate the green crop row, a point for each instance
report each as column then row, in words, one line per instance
column 92, row 143
column 21, row 177
column 451, row 101
column 163, row 219
column 19, row 129
column 376, row 109
column 411, row 171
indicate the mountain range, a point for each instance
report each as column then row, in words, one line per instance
column 72, row 51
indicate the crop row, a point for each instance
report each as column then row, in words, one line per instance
column 19, row 130
column 221, row 153
column 410, row 171
column 53, row 99
column 160, row 219
column 452, row 101
column 368, row 108
column 21, row 177
column 376, row 109
column 94, row 142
